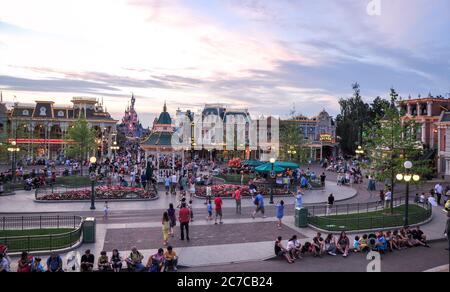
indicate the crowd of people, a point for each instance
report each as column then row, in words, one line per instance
column 164, row 260
column 381, row 241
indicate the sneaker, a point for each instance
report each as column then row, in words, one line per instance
column 221, row 222
column 264, row 217
column 175, row 269
column 215, row 223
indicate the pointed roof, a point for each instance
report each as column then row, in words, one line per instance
column 164, row 117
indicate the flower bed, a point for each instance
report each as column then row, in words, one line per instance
column 227, row 191
column 103, row 193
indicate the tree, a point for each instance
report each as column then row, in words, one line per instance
column 351, row 121
column 389, row 143
column 378, row 109
column 82, row 141
column 292, row 140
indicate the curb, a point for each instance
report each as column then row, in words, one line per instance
column 440, row 269
column 97, row 200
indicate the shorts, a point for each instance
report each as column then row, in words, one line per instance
column 260, row 208
column 219, row 212
column 210, row 213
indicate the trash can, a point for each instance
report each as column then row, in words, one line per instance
column 301, row 217
column 89, row 230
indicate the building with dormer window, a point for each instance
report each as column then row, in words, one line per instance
column 41, row 128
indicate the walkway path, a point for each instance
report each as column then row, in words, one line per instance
column 23, row 201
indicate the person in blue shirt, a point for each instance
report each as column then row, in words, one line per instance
column 54, row 263
column 304, row 182
column 210, row 209
column 167, row 182
column 259, row 202
column 280, row 213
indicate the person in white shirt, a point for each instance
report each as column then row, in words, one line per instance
column 422, row 198
column 432, row 201
column 173, row 184
column 387, row 199
column 438, row 189
column 294, row 247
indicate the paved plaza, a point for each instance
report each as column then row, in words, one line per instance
column 240, row 239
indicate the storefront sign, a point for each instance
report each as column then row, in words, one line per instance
column 326, row 138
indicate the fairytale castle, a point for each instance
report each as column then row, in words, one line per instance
column 131, row 126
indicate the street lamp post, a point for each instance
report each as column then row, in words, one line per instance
column 272, row 162
column 291, row 151
column 93, row 177
column 115, row 148
column 13, row 149
column 407, row 177
column 359, row 152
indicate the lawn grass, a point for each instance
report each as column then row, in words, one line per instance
column 370, row 220
column 33, row 232
column 39, row 239
column 236, row 178
column 73, row 181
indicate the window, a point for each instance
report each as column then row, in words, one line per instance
column 60, row 114
column 25, row 113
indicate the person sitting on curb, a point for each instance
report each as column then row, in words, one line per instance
column 294, row 248
column 103, row 262
column 343, row 244
column 280, row 251
column 170, row 259
column 54, row 263
column 134, row 261
column 87, row 261
column 155, row 263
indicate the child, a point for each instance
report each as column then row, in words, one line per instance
column 209, row 206
column 165, row 227
column 191, row 210
column 363, row 243
column 105, row 210
column 280, row 213
column 356, row 244
column 37, row 266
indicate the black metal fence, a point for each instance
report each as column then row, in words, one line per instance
column 364, row 216
column 69, row 227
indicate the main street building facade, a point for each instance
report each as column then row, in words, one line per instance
column 40, row 129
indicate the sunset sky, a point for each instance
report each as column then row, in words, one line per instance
column 264, row 55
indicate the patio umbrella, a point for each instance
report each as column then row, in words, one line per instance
column 286, row 164
column 252, row 163
column 268, row 168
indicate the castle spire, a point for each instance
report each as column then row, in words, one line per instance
column 133, row 100
column 165, row 107
column 1, row 96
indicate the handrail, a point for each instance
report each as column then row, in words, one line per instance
column 47, row 241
